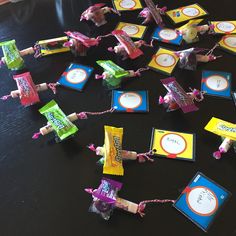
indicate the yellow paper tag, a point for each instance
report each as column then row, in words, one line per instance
column 228, row 43
column 164, row 61
column 185, row 13
column 174, row 145
column 190, row 23
column 134, row 31
column 113, row 146
column 127, row 5
column 221, row 128
column 224, row 27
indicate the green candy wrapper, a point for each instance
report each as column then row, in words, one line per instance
column 58, row 120
column 113, row 69
column 12, row 56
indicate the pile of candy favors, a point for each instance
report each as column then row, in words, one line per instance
column 202, row 198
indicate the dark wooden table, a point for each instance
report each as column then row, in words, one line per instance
column 42, row 183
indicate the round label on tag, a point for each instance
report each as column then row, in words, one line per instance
column 130, row 100
column 127, row 4
column 225, row 26
column 191, row 11
column 168, row 34
column 130, row 29
column 230, row 41
column 76, row 76
column 217, row 83
column 165, row 60
column 173, row 143
column 202, row 201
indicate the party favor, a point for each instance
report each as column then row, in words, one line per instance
column 134, row 31
column 51, row 46
column 57, row 120
column 224, row 129
column 127, row 5
column 96, row 13
column 185, row 13
column 228, row 43
column 75, row 76
column 216, row 83
column 106, row 199
column 167, row 35
column 224, row 27
column 202, row 200
column 164, row 61
column 177, row 98
column 174, row 145
column 130, row 101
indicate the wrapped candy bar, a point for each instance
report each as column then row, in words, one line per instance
column 152, row 13
column 80, row 43
column 96, row 13
column 224, row 129
column 56, row 119
column 105, row 199
column 191, row 30
column 12, row 56
column 114, row 75
column 27, row 91
column 189, row 58
column 126, row 47
column 177, row 98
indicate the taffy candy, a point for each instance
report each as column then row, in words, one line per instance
column 96, row 13
column 114, row 75
column 224, row 129
column 105, row 199
column 27, row 91
column 177, row 98
column 152, row 12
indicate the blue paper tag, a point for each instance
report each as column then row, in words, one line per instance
column 167, row 35
column 201, row 200
column 130, row 101
column 216, row 83
column 75, row 76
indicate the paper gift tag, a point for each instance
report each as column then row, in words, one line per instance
column 228, row 43
column 224, row 27
column 216, row 83
column 173, row 145
column 127, row 5
column 75, row 76
column 134, row 31
column 167, row 35
column 201, row 200
column 185, row 13
column 130, row 101
column 164, row 61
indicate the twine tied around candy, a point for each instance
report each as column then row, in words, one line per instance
column 5, row 97
column 84, row 114
column 142, row 205
column 142, row 157
column 210, row 53
column 138, row 72
column 218, row 154
column 198, row 96
column 53, row 86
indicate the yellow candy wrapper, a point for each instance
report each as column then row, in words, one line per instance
column 221, row 128
column 127, row 5
column 228, row 43
column 224, row 27
column 113, row 146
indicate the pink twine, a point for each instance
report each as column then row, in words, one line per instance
column 92, row 147
column 217, row 155
column 36, row 135
column 163, row 10
column 161, row 100
column 99, row 76
column 84, row 114
column 138, row 72
column 4, row 98
column 142, row 205
column 142, row 157
column 104, row 36
column 53, row 86
column 110, row 49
